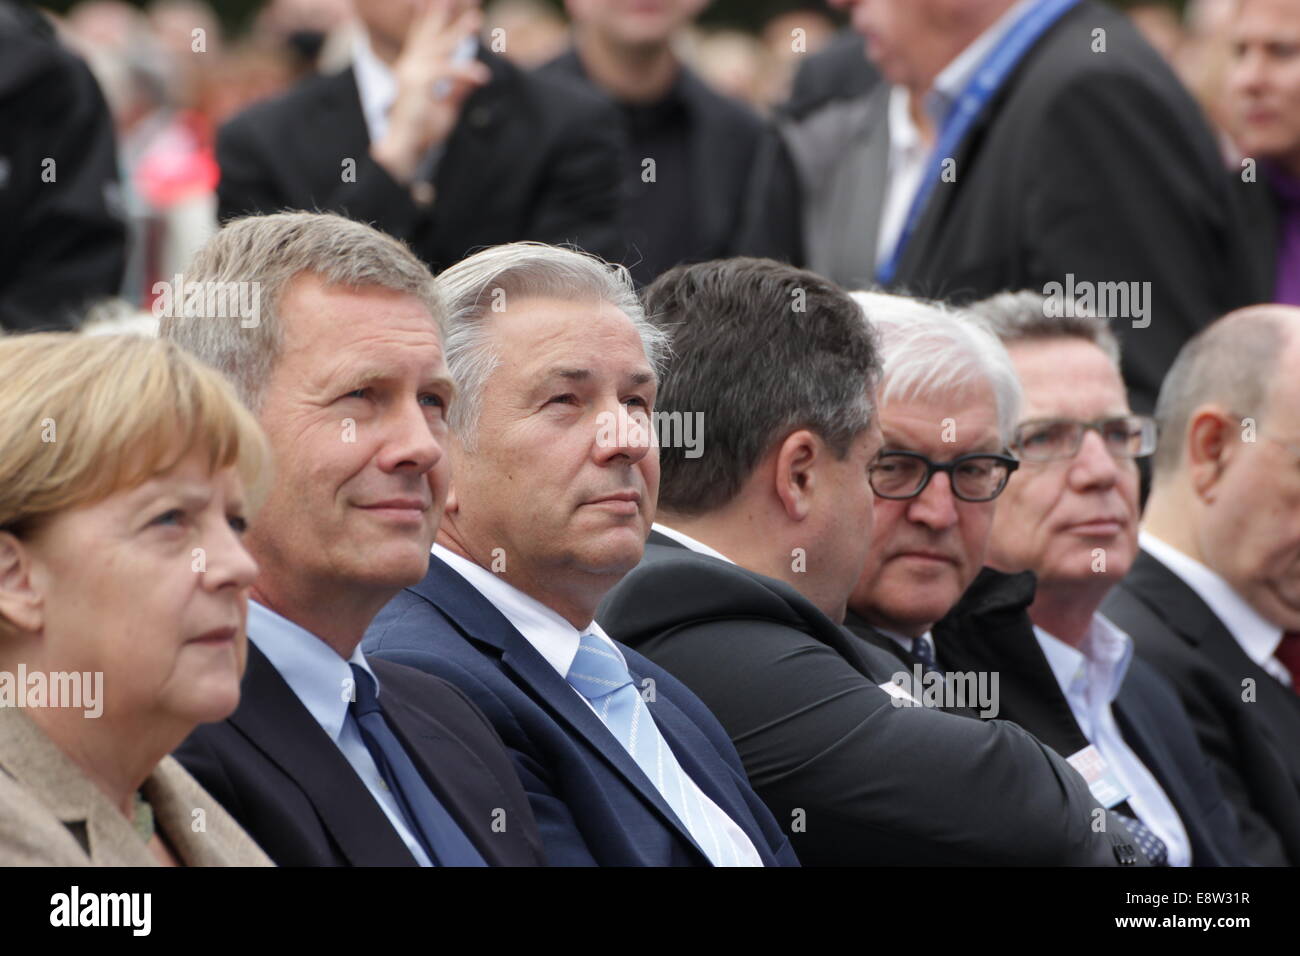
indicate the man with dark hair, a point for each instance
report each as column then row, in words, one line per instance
column 1213, row 598
column 433, row 139
column 744, row 584
column 705, row 176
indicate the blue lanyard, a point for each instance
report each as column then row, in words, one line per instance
column 990, row 76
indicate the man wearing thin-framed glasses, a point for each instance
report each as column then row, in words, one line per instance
column 1070, row 516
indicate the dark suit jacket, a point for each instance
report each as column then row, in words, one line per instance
column 744, row 198
column 592, row 801
column 276, row 771
column 64, row 241
column 989, row 630
column 859, row 780
column 530, row 158
column 1098, row 165
column 1254, row 746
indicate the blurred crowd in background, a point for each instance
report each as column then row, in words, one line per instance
column 167, row 103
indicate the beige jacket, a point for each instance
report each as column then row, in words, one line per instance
column 51, row 814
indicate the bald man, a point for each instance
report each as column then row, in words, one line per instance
column 1213, row 599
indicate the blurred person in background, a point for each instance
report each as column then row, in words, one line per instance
column 64, row 241
column 1264, row 118
column 733, row 62
column 534, row 32
column 1204, row 59
column 1050, row 168
column 123, row 578
column 696, row 159
column 789, row 38
column 435, row 139
column 1160, row 25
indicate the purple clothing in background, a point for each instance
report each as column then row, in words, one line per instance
column 1287, row 188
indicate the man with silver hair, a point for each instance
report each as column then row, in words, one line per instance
column 556, row 482
column 1213, row 599
column 949, row 402
column 332, row 758
column 1070, row 517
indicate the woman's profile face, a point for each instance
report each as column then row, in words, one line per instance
column 150, row 587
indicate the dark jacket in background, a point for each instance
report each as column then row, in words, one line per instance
column 63, row 244
column 530, row 158
column 1095, row 165
column 858, row 780
column 989, row 630
column 1254, row 744
column 737, row 189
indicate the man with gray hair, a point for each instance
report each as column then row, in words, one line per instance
column 745, row 580
column 1213, row 599
column 1070, row 517
column 949, row 403
column 556, row 480
column 331, row 758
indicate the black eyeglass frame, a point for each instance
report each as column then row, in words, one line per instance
column 1010, row 462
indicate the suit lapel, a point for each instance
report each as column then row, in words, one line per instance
column 464, row 605
column 272, row 717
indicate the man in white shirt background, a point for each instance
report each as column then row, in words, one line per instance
column 1213, row 600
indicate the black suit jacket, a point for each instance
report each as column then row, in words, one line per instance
column 276, row 771
column 1098, row 165
column 989, row 630
column 858, row 779
column 1254, row 745
column 64, row 241
column 744, row 197
column 530, row 158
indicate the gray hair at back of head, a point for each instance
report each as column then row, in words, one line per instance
column 1231, row 363
column 490, row 280
column 930, row 352
column 270, row 251
column 1029, row 316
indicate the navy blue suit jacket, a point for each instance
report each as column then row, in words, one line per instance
column 593, row 804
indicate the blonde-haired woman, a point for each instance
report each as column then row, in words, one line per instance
column 127, row 473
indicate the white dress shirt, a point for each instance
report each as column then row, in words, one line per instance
column 1090, row 677
column 322, row 681
column 905, row 642
column 557, row 641
column 1257, row 636
column 908, row 155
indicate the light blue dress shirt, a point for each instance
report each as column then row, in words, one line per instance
column 323, row 682
column 1090, row 677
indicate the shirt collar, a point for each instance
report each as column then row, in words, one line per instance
column 903, row 134
column 699, row 547
column 954, row 77
column 313, row 670
column 1258, row 637
column 376, row 85
column 552, row 636
column 1098, row 665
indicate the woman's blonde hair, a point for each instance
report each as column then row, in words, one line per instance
column 82, row 417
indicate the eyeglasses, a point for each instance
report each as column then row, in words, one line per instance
column 1052, row 439
column 905, row 474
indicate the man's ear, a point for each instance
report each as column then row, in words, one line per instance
column 21, row 603
column 796, row 477
column 1212, row 440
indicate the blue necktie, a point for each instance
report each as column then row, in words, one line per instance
column 599, row 674
column 440, row 835
column 921, row 651
column 1151, row 845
